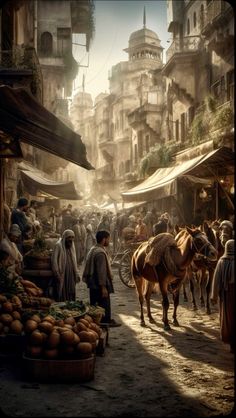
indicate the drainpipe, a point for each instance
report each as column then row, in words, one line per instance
column 35, row 24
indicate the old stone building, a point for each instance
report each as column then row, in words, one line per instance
column 21, row 43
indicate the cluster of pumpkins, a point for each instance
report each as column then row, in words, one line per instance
column 10, row 317
column 57, row 339
column 47, row 337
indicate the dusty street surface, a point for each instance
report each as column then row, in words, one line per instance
column 150, row 372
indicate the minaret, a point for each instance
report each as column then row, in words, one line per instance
column 144, row 17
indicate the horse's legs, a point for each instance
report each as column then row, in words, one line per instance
column 203, row 282
column 139, row 281
column 165, row 304
column 140, row 286
column 148, row 292
column 192, row 290
column 176, row 304
column 208, row 290
column 185, row 293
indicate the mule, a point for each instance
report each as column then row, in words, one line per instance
column 201, row 269
column 189, row 242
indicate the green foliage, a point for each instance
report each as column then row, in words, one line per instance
column 210, row 103
column 223, row 118
column 158, row 157
column 209, row 119
column 198, row 128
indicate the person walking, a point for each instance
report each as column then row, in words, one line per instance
column 223, row 290
column 90, row 239
column 64, row 267
column 80, row 239
column 98, row 276
column 141, row 231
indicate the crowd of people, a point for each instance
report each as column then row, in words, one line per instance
column 86, row 239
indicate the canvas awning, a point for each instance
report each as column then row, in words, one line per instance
column 25, row 119
column 163, row 182
column 35, row 183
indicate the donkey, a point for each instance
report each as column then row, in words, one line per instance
column 188, row 242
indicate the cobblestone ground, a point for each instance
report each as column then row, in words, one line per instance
column 150, row 372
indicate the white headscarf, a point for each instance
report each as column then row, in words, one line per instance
column 59, row 255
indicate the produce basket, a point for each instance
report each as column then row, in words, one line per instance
column 61, row 371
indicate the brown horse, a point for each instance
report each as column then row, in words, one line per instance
column 201, row 269
column 189, row 242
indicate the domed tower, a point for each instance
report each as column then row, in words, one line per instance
column 145, row 44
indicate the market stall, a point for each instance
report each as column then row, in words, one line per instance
column 56, row 341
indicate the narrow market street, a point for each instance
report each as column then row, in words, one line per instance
column 150, row 372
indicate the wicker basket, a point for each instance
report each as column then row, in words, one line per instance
column 42, row 370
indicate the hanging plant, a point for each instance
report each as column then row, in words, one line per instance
column 210, row 103
column 223, row 118
column 158, row 157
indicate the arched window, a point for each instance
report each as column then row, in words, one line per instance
column 202, row 15
column 46, row 43
column 194, row 19
column 188, row 27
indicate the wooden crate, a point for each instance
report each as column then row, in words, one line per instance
column 61, row 371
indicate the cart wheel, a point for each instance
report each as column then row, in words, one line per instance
column 125, row 269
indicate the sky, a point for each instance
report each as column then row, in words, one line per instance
column 115, row 20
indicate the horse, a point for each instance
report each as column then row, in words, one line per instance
column 188, row 243
column 201, row 269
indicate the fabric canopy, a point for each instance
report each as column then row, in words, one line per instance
column 163, row 182
column 35, row 183
column 27, row 120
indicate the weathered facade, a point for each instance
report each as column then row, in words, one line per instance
column 23, row 44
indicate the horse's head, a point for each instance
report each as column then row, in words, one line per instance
column 209, row 233
column 201, row 244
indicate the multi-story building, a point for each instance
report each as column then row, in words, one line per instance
column 126, row 122
column 22, row 40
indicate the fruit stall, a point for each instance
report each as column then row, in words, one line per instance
column 55, row 341
column 37, row 266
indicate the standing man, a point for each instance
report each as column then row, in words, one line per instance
column 98, row 276
column 18, row 217
column 223, row 289
column 64, row 267
column 226, row 231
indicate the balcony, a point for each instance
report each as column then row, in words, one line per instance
column 82, row 19
column 21, row 64
column 217, row 14
column 188, row 44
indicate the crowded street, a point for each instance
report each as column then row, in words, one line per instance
column 117, row 214
column 145, row 371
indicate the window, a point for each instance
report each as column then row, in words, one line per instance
column 202, row 16
column 135, row 154
column 194, row 19
column 63, row 41
column 177, row 130
column 188, row 27
column 230, row 85
column 140, row 145
column 147, row 140
column 46, row 44
column 127, row 166
column 182, row 127
column 190, row 115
